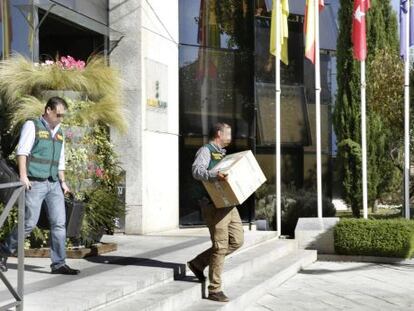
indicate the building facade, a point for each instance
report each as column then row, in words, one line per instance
column 186, row 64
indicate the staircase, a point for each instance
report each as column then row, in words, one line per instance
column 149, row 273
column 247, row 275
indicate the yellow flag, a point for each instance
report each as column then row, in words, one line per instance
column 282, row 50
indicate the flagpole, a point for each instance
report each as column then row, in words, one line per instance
column 364, row 142
column 318, row 111
column 407, row 113
column 277, row 124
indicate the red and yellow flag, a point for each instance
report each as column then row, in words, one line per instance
column 309, row 26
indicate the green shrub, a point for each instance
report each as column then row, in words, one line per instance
column 302, row 204
column 387, row 238
column 9, row 223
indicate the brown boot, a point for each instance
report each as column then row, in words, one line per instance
column 219, row 296
column 197, row 272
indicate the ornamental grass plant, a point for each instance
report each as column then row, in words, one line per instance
column 93, row 93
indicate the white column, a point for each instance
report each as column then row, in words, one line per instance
column 277, row 124
column 364, row 142
column 407, row 115
column 318, row 112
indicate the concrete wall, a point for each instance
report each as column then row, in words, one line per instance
column 148, row 56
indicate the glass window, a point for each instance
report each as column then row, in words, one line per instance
column 216, row 23
column 3, row 20
column 292, row 166
column 215, row 85
column 15, row 32
column 265, row 62
column 327, row 79
column 294, row 116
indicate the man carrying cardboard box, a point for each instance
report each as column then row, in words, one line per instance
column 224, row 224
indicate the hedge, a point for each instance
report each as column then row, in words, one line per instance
column 382, row 238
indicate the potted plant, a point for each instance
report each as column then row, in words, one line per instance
column 93, row 93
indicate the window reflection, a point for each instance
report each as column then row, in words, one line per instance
column 215, row 86
column 15, row 31
column 216, row 23
column 6, row 33
column 265, row 62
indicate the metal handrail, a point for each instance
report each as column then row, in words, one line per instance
column 18, row 195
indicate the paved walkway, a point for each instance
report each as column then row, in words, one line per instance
column 343, row 286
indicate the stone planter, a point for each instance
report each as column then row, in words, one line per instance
column 75, row 253
column 262, row 225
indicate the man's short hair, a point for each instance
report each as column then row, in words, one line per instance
column 219, row 126
column 53, row 102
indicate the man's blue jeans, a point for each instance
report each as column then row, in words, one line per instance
column 52, row 193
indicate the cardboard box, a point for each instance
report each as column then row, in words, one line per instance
column 244, row 177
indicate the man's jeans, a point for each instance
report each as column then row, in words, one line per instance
column 52, row 193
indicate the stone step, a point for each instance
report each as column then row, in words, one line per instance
column 182, row 294
column 122, row 275
column 89, row 292
column 254, row 285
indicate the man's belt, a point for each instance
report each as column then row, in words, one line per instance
column 40, row 179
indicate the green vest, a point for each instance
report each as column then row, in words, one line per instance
column 44, row 158
column 215, row 157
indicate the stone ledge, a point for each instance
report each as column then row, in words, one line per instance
column 94, row 250
column 316, row 233
column 357, row 258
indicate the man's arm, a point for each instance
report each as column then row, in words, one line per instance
column 63, row 182
column 200, row 166
column 22, row 163
column 61, row 169
column 24, row 148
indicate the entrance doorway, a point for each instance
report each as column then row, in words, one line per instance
column 60, row 37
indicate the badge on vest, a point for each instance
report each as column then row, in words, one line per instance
column 43, row 134
column 59, row 137
column 216, row 156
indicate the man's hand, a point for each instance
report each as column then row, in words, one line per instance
column 65, row 187
column 26, row 182
column 222, row 176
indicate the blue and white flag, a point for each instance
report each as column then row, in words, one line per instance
column 403, row 21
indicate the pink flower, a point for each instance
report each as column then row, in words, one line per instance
column 99, row 172
column 68, row 62
column 80, row 64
